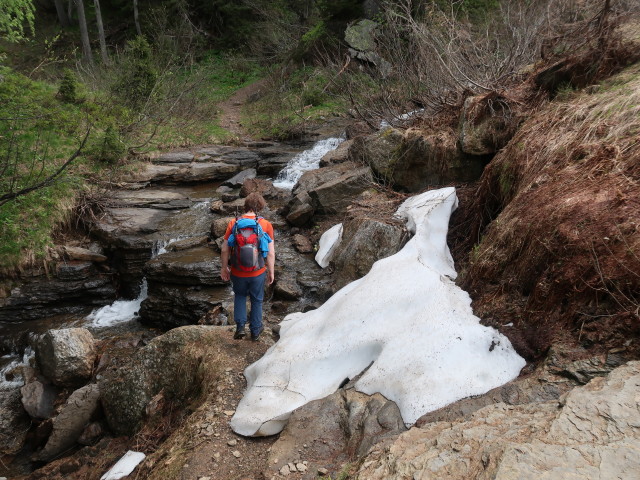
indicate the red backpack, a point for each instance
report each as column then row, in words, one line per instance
column 248, row 243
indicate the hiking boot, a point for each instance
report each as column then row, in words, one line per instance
column 240, row 333
column 257, row 335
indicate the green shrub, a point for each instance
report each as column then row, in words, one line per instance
column 68, row 91
column 110, row 146
column 138, row 76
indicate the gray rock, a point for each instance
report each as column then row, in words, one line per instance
column 70, row 422
column 186, row 244
column 73, row 286
column 301, row 210
column 593, row 434
column 334, row 196
column 196, row 266
column 169, row 305
column 365, row 241
column 66, row 356
column 219, row 226
column 176, row 173
column 148, row 197
column 14, row 422
column 174, row 157
column 238, row 180
column 339, row 155
column 335, row 430
column 83, row 254
column 314, row 178
column 286, row 287
column 37, row 399
column 302, row 244
column 413, row 160
column 262, row 187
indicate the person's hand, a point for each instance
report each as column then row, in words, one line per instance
column 224, row 274
column 270, row 277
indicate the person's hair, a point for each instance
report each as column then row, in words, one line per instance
column 254, row 203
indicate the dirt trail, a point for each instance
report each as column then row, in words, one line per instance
column 230, row 110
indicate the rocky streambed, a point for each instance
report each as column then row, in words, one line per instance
column 149, row 260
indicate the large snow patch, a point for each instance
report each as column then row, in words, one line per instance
column 406, row 318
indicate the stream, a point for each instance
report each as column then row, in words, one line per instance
column 17, row 339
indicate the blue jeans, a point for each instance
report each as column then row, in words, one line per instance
column 253, row 287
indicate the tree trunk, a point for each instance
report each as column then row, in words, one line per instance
column 103, row 43
column 84, row 33
column 70, row 11
column 135, row 17
column 63, row 18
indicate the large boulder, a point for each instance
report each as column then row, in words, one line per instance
column 171, row 363
column 593, row 433
column 75, row 415
column 415, row 159
column 339, row 155
column 66, row 356
column 334, row 196
column 334, row 430
column 38, row 398
column 14, row 422
column 365, row 241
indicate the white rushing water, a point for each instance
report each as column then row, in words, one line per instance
column 305, row 161
column 122, row 311
column 10, row 371
column 119, row 311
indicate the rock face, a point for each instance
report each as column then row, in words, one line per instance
column 592, row 434
column 76, row 286
column 71, row 422
column 327, row 190
column 166, row 364
column 66, row 356
column 335, row 430
column 182, row 287
column 365, row 241
column 413, row 160
column 14, row 422
column 37, row 399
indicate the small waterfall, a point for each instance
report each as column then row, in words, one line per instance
column 10, row 371
column 122, row 311
column 119, row 311
column 305, row 161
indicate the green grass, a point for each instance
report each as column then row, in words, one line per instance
column 306, row 96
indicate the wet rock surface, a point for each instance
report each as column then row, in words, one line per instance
column 75, row 287
column 14, row 422
column 70, row 422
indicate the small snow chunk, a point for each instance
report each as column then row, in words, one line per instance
column 328, row 244
column 124, row 466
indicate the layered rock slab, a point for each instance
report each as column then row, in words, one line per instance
column 594, row 433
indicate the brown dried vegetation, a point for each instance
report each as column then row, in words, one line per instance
column 558, row 211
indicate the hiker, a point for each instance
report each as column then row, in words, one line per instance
column 249, row 249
